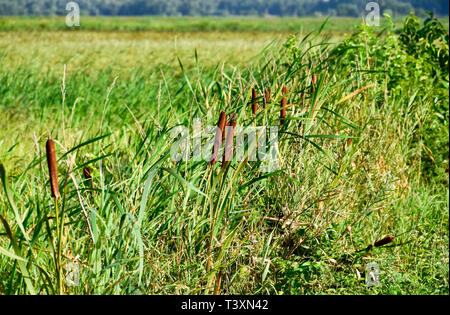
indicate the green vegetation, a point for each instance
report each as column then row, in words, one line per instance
column 184, row 24
column 191, row 24
column 221, row 7
column 364, row 155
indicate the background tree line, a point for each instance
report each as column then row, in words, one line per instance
column 222, row 7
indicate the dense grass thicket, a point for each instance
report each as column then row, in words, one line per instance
column 363, row 156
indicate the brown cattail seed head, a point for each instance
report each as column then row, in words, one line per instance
column 228, row 156
column 285, row 90
column 283, row 110
column 52, row 168
column 254, row 103
column 384, row 241
column 218, row 138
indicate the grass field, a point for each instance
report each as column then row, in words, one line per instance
column 191, row 24
column 363, row 156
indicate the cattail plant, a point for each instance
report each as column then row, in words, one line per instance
column 52, row 168
column 228, row 156
column 218, row 137
column 254, row 102
column 53, row 172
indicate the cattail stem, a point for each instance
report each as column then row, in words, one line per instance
column 218, row 137
column 52, row 168
column 58, row 263
column 53, row 173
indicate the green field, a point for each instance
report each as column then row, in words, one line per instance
column 363, row 155
column 191, row 24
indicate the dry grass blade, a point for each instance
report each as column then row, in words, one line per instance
column 352, row 95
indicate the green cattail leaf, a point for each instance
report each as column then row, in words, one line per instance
column 22, row 264
column 188, row 184
column 82, row 145
column 11, row 201
column 10, row 255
